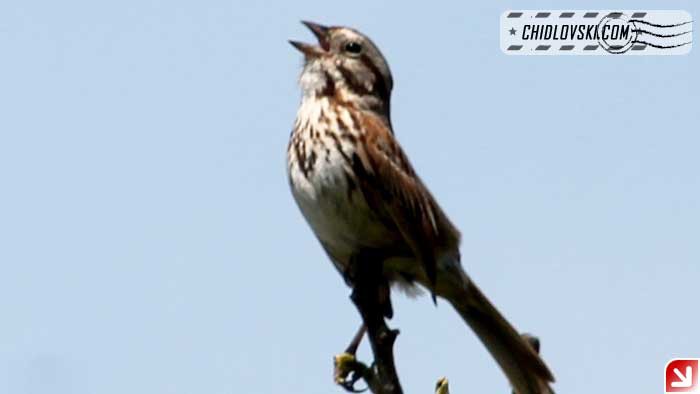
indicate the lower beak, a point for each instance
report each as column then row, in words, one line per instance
column 307, row 49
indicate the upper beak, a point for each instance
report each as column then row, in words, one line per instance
column 321, row 33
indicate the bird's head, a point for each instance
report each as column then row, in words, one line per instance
column 345, row 64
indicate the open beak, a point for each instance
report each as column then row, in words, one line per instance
column 321, row 33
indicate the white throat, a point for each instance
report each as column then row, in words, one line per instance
column 313, row 79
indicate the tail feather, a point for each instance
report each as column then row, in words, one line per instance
column 525, row 370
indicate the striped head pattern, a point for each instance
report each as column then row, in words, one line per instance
column 346, row 67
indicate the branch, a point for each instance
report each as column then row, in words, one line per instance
column 382, row 378
column 348, row 370
column 371, row 295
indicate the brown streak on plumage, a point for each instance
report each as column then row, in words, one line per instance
column 311, row 160
column 301, row 157
column 353, row 119
column 329, row 89
column 339, row 147
column 348, row 137
column 351, row 83
column 342, row 126
column 345, row 133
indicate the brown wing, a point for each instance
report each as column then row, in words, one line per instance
column 394, row 191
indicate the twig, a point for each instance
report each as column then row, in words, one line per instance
column 371, row 295
column 442, row 386
column 348, row 370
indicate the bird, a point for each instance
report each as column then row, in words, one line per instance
column 368, row 208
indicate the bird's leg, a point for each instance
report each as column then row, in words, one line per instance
column 355, row 343
column 346, row 369
column 371, row 297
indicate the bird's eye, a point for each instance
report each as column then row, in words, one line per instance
column 353, row 47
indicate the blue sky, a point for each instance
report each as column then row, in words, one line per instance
column 149, row 243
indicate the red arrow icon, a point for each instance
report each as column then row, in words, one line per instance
column 686, row 380
column 682, row 376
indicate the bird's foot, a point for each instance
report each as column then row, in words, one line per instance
column 348, row 371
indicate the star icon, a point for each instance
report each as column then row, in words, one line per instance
column 512, row 31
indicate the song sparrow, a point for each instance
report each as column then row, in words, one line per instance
column 365, row 203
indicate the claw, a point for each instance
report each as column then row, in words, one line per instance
column 347, row 372
column 343, row 365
